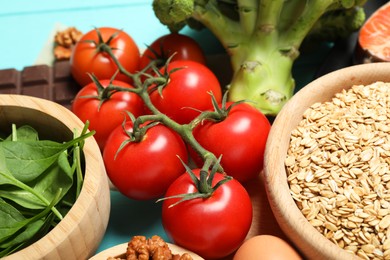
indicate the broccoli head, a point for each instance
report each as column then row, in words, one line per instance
column 173, row 13
column 263, row 38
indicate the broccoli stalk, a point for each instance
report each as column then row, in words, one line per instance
column 263, row 38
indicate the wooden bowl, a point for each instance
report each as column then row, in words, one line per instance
column 311, row 243
column 78, row 235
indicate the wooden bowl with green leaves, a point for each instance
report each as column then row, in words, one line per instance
column 54, row 192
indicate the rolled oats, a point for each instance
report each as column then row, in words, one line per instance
column 338, row 167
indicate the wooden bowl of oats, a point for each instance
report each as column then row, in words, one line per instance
column 327, row 165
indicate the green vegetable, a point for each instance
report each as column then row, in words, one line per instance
column 264, row 37
column 39, row 182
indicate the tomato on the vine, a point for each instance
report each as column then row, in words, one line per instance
column 183, row 47
column 240, row 138
column 187, row 91
column 105, row 113
column 143, row 169
column 212, row 227
column 89, row 56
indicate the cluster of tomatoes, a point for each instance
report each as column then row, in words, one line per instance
column 152, row 163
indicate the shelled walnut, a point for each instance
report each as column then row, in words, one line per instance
column 64, row 41
column 141, row 248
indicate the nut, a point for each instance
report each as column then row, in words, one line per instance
column 64, row 41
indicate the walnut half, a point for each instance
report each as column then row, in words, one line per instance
column 64, row 41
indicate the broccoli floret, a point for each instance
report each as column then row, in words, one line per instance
column 338, row 24
column 173, row 13
column 263, row 38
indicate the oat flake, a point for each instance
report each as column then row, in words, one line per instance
column 338, row 167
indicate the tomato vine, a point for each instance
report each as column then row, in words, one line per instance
column 141, row 88
column 201, row 195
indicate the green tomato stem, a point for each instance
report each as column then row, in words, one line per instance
column 106, row 48
column 184, row 130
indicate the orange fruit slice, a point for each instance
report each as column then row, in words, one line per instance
column 374, row 37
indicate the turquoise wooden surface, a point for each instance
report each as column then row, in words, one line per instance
column 26, row 26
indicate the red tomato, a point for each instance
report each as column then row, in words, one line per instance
column 183, row 46
column 103, row 118
column 240, row 138
column 144, row 170
column 187, row 91
column 87, row 58
column 213, row 227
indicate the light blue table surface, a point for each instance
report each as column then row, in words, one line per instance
column 26, row 26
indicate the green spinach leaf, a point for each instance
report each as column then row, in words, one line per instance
column 39, row 182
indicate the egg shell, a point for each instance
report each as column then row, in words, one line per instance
column 266, row 247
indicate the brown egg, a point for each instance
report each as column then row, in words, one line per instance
column 266, row 247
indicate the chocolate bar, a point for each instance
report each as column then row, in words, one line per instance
column 56, row 83
column 49, row 82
